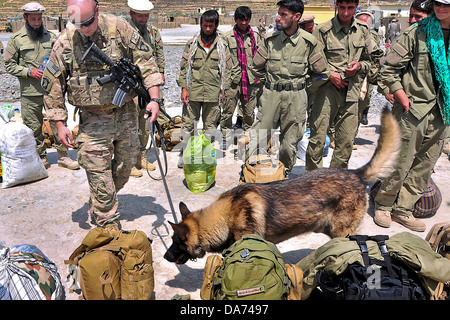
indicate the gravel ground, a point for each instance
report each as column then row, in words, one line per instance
column 52, row 213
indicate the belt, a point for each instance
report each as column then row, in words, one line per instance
column 285, row 86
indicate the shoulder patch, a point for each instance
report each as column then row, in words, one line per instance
column 135, row 37
column 52, row 68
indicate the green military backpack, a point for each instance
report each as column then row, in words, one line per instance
column 252, row 269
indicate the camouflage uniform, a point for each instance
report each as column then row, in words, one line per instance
column 288, row 66
column 108, row 138
column 235, row 94
column 23, row 53
column 153, row 38
column 338, row 106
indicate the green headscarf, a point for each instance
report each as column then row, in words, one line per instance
column 441, row 59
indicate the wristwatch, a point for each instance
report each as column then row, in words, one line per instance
column 29, row 72
column 159, row 101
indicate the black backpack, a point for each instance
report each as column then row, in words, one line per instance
column 387, row 279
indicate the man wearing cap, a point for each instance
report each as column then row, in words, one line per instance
column 139, row 13
column 416, row 72
column 108, row 141
column 307, row 22
column 290, row 60
column 25, row 53
column 346, row 42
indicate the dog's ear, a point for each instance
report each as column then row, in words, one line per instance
column 184, row 210
column 179, row 229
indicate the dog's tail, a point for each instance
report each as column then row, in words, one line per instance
column 386, row 154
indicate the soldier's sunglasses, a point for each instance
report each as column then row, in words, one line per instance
column 438, row 4
column 87, row 22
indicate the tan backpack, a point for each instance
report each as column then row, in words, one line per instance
column 262, row 168
column 439, row 239
column 113, row 265
column 171, row 132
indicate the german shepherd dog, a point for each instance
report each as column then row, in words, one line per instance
column 328, row 200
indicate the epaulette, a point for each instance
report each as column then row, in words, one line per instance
column 325, row 26
column 308, row 36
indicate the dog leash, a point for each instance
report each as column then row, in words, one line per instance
column 155, row 126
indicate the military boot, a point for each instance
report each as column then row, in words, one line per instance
column 135, row 173
column 65, row 162
column 45, row 161
column 142, row 163
column 409, row 222
column 382, row 218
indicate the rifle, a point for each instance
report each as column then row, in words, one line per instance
column 127, row 76
column 124, row 73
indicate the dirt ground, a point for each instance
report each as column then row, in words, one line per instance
column 52, row 213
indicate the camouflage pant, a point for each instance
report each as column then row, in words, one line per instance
column 108, row 146
column 31, row 111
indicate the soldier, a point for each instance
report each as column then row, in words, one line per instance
column 242, row 43
column 206, row 72
column 416, row 72
column 370, row 80
column 25, row 53
column 262, row 28
column 307, row 22
column 108, row 140
column 289, row 60
column 140, row 12
column 346, row 43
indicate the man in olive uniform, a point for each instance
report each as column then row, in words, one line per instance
column 290, row 60
column 108, row 141
column 206, row 72
column 139, row 13
column 346, row 43
column 412, row 72
column 242, row 42
column 25, row 52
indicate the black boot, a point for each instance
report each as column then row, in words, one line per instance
column 364, row 120
column 239, row 124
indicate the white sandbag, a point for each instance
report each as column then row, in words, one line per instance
column 20, row 160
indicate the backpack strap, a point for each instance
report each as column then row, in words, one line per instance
column 361, row 240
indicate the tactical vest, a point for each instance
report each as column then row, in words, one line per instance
column 83, row 89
